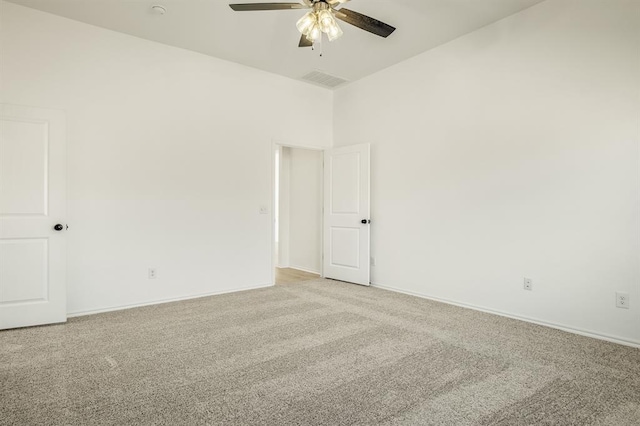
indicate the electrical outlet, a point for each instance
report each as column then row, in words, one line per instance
column 528, row 284
column 622, row 300
column 153, row 273
column 373, row 261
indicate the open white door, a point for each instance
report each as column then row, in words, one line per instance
column 32, row 206
column 346, row 214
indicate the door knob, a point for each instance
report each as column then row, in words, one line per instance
column 58, row 227
column 365, row 221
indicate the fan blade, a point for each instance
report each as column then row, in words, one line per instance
column 365, row 22
column 246, row 7
column 304, row 42
column 336, row 2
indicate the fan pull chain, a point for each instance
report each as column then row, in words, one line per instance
column 319, row 42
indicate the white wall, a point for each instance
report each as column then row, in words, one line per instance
column 512, row 152
column 305, row 214
column 169, row 156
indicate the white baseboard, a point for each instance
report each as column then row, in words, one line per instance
column 298, row 268
column 161, row 301
column 587, row 333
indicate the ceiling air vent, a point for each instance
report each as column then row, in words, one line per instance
column 324, row 80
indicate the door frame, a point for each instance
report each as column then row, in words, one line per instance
column 275, row 143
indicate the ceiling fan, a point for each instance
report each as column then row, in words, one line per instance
column 322, row 19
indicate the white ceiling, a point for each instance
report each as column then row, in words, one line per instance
column 268, row 40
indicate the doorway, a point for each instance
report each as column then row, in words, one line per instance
column 298, row 193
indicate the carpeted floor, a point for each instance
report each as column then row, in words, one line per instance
column 313, row 353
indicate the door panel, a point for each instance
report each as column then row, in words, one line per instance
column 32, row 201
column 23, row 168
column 345, row 183
column 346, row 238
column 24, row 262
column 345, row 247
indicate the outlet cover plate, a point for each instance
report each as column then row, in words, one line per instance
column 622, row 300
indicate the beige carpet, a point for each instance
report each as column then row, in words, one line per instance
column 313, row 353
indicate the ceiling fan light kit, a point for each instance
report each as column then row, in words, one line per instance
column 322, row 19
column 319, row 20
